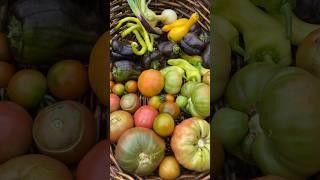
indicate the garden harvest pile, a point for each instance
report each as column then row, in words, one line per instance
column 270, row 115
column 160, row 94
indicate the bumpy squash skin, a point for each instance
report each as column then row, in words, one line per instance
column 283, row 105
column 139, row 151
column 35, row 167
column 98, row 67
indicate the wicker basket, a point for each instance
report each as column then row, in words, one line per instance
column 184, row 8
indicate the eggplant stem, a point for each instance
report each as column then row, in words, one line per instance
column 287, row 14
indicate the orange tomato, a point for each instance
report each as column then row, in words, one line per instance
column 131, row 86
column 169, row 97
column 6, row 72
column 150, row 82
column 171, row 108
column 169, row 168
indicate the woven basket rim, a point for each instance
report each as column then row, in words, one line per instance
column 120, row 9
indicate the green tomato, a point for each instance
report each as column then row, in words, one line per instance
column 181, row 101
column 139, row 151
column 187, row 88
column 199, row 101
column 118, row 89
column 282, row 106
column 163, row 124
column 173, row 82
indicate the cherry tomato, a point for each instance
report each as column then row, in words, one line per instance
column 163, row 124
column 118, row 89
column 169, row 168
column 155, row 101
column 131, row 86
column 169, row 97
column 171, row 108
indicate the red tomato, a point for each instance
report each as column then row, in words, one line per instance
column 145, row 116
column 114, row 102
column 93, row 164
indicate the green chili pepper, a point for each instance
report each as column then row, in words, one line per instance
column 134, row 45
column 145, row 33
column 196, row 61
column 129, row 30
column 192, row 72
column 165, row 70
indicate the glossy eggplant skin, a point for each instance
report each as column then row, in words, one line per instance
column 192, row 44
column 46, row 31
column 206, row 57
column 121, row 51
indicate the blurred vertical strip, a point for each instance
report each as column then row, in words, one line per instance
column 3, row 14
column 106, row 15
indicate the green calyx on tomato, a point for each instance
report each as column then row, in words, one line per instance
column 273, row 119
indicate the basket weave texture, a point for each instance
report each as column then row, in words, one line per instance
column 120, row 9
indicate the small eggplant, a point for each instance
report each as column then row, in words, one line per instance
column 188, row 49
column 206, row 57
column 122, row 48
column 169, row 49
column 194, row 41
column 121, row 51
column 125, row 70
column 148, row 58
column 192, row 44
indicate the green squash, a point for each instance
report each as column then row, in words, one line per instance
column 139, row 151
column 273, row 120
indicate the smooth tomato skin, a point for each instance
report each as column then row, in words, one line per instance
column 120, row 121
column 155, row 101
column 68, row 79
column 36, row 167
column 171, row 108
column 131, row 86
column 169, row 97
column 169, row 168
column 145, row 116
column 93, row 164
column 163, row 124
column 6, row 72
column 114, row 102
column 27, row 88
column 15, row 130
column 150, row 82
column 118, row 89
